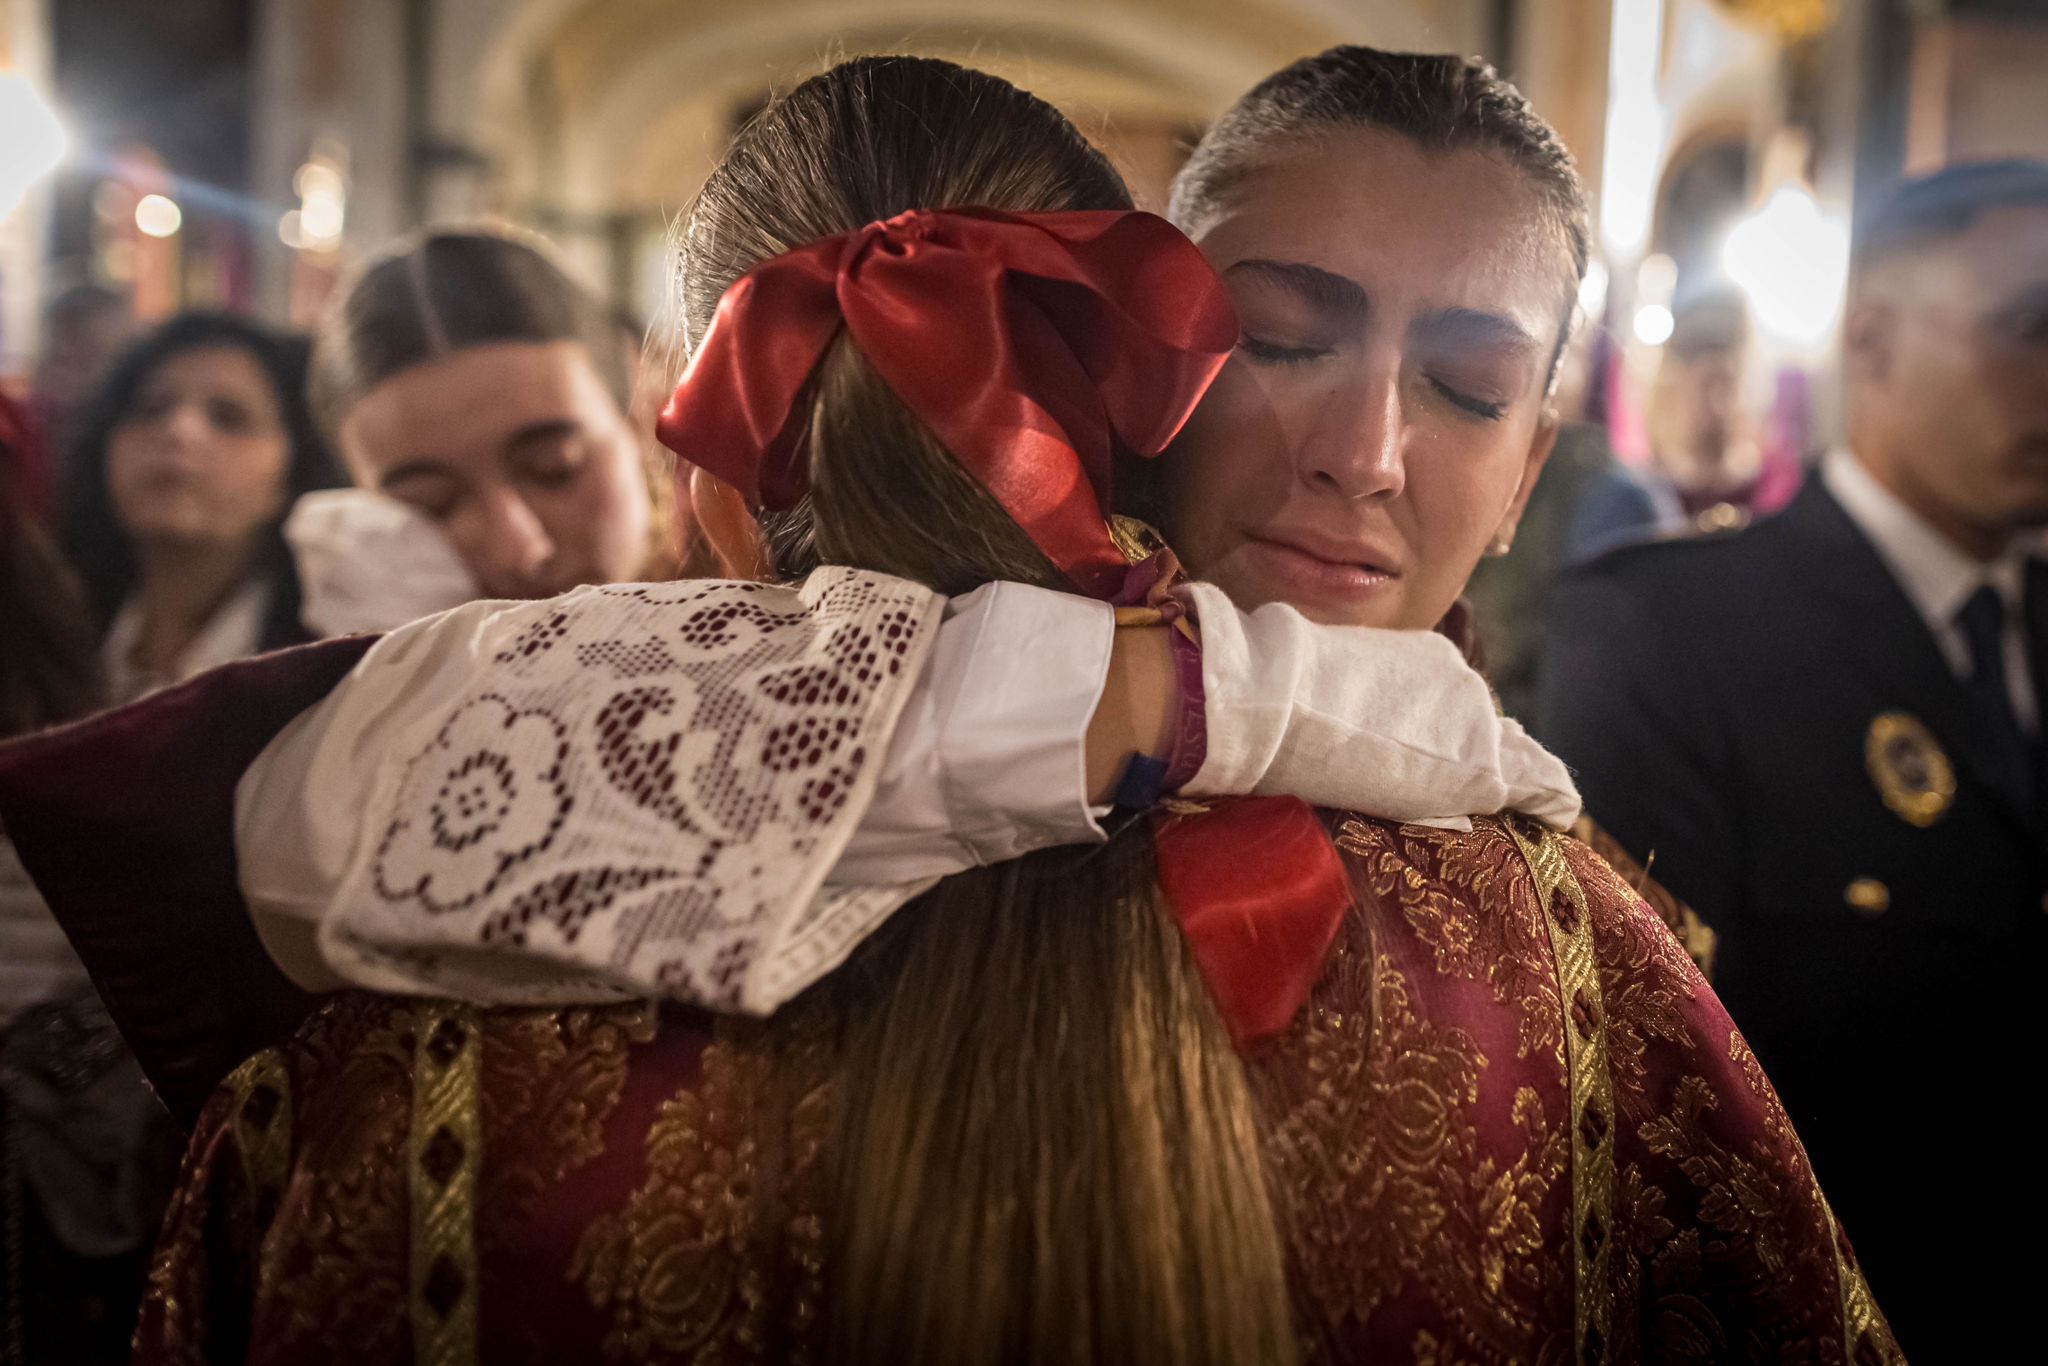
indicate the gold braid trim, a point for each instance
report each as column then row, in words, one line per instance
column 261, row 1122
column 1591, row 1085
column 446, row 1147
column 1862, row 1326
column 1863, row 1333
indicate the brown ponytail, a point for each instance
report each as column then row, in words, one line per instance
column 1044, row 1146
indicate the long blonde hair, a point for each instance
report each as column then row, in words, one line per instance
column 1044, row 1147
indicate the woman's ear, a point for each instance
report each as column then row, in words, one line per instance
column 729, row 527
column 1541, row 444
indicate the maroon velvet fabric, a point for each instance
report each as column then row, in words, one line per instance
column 126, row 823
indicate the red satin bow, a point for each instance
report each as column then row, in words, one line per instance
column 1260, row 892
column 1031, row 344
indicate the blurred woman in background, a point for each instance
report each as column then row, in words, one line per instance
column 187, row 459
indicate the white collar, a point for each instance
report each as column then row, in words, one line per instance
column 234, row 631
column 1935, row 572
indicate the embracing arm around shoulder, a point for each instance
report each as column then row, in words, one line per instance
column 492, row 764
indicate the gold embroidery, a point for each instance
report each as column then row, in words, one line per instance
column 1467, row 897
column 1134, row 539
column 1865, row 1335
column 1738, row 1196
column 260, row 1119
column 550, row 1080
column 1694, row 935
column 336, row 1271
column 171, row 1327
column 446, row 1150
column 1381, row 1173
column 1430, row 1351
column 713, row 1259
column 1647, row 980
column 1568, row 918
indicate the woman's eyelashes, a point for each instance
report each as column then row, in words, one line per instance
column 1261, row 351
column 1279, row 353
column 1468, row 403
column 552, row 463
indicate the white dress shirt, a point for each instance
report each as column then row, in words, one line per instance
column 36, row 961
column 234, row 631
column 1938, row 576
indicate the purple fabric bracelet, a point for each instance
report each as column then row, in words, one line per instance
column 1191, row 727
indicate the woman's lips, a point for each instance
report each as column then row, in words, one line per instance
column 1313, row 574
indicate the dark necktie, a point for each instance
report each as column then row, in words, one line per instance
column 1982, row 620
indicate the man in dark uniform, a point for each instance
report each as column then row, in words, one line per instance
column 1826, row 731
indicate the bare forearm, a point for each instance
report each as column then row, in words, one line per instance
column 1136, row 713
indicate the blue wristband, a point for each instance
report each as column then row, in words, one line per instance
column 1139, row 787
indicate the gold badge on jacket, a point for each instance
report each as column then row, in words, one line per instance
column 1913, row 776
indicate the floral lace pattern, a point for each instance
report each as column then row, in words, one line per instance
column 643, row 798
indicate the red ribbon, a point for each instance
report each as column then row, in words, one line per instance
column 1033, row 346
column 1260, row 892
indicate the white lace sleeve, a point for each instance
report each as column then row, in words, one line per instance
column 641, row 796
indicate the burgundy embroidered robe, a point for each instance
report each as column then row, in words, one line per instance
column 1512, row 1124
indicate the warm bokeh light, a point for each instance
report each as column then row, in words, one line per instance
column 158, row 216
column 1635, row 127
column 32, row 141
column 317, row 223
column 1593, row 290
column 1656, row 279
column 1792, row 261
column 1653, row 324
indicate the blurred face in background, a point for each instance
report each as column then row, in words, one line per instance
column 1946, row 354
column 80, row 340
column 520, row 454
column 1698, row 429
column 202, row 454
column 1384, row 417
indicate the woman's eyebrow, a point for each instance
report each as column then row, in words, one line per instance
column 1328, row 293
column 1472, row 329
column 413, row 469
column 541, row 433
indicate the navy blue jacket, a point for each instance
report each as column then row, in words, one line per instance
column 1739, row 707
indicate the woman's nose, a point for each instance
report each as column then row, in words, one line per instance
column 1355, row 448
column 511, row 549
column 185, row 426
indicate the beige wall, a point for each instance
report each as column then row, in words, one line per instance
column 1980, row 89
column 1561, row 65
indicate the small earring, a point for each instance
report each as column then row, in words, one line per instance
column 1499, row 546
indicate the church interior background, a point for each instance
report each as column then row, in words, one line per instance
column 243, row 152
